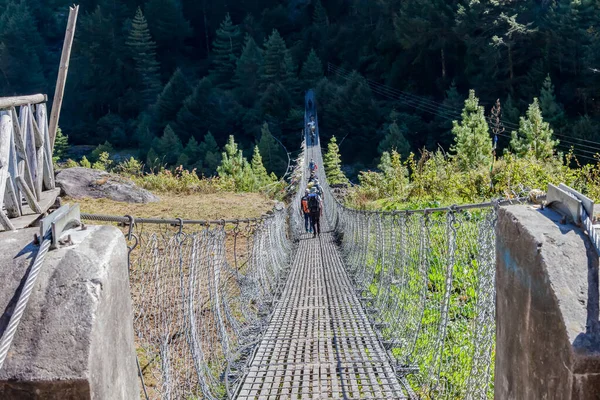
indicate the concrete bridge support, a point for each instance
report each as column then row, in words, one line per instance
column 76, row 339
column 548, row 334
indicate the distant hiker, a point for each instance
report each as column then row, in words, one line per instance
column 305, row 211
column 312, row 127
column 312, row 166
column 318, row 187
column 312, row 178
column 315, row 206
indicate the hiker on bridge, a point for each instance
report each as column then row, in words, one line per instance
column 312, row 166
column 312, row 127
column 315, row 206
column 305, row 211
column 318, row 187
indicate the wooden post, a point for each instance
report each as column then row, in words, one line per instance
column 5, row 141
column 62, row 74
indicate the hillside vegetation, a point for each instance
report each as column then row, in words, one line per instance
column 170, row 80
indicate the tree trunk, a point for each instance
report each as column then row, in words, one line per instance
column 443, row 54
column 510, row 67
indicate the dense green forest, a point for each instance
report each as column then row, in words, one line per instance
column 173, row 79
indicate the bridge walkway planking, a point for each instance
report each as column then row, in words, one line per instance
column 319, row 343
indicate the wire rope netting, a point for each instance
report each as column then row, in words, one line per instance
column 202, row 295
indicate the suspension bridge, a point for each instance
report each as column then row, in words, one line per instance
column 381, row 305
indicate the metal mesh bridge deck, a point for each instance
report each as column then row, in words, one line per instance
column 320, row 344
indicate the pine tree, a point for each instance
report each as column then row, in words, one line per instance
column 271, row 151
column 21, row 46
column 210, row 154
column 247, row 72
column 291, row 82
column 333, row 164
column 192, row 149
column 169, row 146
column 274, row 67
column 144, row 134
column 170, row 100
column 472, row 142
column 261, row 176
column 183, row 160
column 320, row 19
column 197, row 113
column 312, row 70
column 61, row 146
column 226, row 48
column 551, row 109
column 395, row 140
column 234, row 165
column 510, row 112
column 169, row 28
column 534, row 136
column 143, row 51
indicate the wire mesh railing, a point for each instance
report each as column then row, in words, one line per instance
column 202, row 294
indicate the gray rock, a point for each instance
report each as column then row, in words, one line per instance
column 76, row 338
column 547, row 335
column 84, row 182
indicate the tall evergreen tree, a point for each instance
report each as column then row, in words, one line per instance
column 199, row 113
column 169, row 147
column 395, row 140
column 534, row 136
column 274, row 67
column 320, row 18
column 210, row 154
column 551, row 109
column 332, row 162
column 291, row 82
column 426, row 30
column 226, row 49
column 312, row 70
column 171, row 99
column 510, row 112
column 170, row 29
column 192, row 159
column 143, row 52
column 247, row 72
column 472, row 143
column 271, row 152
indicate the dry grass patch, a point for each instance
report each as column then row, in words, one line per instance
column 194, row 206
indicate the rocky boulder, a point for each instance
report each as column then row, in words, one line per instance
column 84, row 182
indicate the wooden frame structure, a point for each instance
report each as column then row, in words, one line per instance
column 27, row 187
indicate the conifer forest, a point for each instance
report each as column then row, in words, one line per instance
column 174, row 79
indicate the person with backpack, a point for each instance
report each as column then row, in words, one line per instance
column 312, row 166
column 318, row 187
column 305, row 211
column 315, row 206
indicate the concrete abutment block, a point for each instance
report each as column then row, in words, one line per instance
column 547, row 335
column 76, row 338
